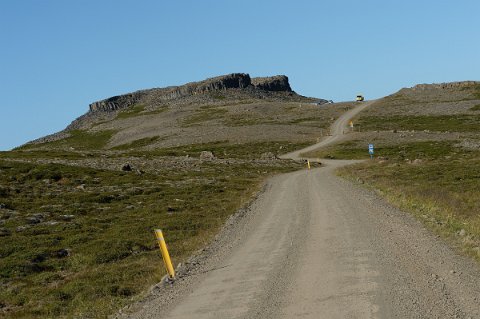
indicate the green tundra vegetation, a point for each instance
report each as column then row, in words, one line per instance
column 78, row 241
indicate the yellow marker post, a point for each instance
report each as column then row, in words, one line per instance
column 308, row 164
column 165, row 254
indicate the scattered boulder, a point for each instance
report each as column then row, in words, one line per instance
column 462, row 232
column 22, row 228
column 62, row 253
column 34, row 220
column 67, row 217
column 207, row 155
column 127, row 167
column 417, row 161
column 268, row 156
column 41, row 257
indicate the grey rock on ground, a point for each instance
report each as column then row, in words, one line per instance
column 268, row 156
column 207, row 155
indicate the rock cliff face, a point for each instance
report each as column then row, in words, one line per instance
column 274, row 83
column 221, row 83
column 230, row 81
column 117, row 102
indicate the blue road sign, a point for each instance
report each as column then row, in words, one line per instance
column 370, row 149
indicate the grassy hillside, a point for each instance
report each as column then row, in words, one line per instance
column 427, row 151
column 77, row 231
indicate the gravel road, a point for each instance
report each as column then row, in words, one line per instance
column 315, row 246
column 336, row 132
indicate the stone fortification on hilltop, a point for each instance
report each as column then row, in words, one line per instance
column 277, row 83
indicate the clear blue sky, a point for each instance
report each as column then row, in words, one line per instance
column 56, row 57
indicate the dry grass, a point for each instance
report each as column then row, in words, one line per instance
column 442, row 193
column 436, row 180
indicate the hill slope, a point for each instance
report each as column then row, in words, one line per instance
column 78, row 208
column 427, row 149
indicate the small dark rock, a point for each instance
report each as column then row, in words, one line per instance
column 4, row 232
column 67, row 217
column 39, row 258
column 33, row 220
column 3, row 206
column 127, row 167
column 62, row 253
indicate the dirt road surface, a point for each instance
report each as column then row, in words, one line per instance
column 315, row 246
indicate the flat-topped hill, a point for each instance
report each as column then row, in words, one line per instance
column 233, row 107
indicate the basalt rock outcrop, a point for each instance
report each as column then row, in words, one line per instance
column 277, row 83
column 117, row 102
column 230, row 81
column 274, row 83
